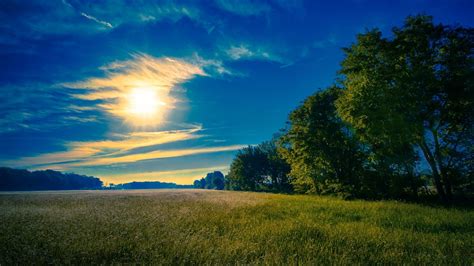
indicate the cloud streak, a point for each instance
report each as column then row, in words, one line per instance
column 124, row 150
column 105, row 23
column 239, row 52
column 39, row 107
column 157, row 154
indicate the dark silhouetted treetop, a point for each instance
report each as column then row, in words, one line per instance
column 15, row 179
column 259, row 168
column 214, row 180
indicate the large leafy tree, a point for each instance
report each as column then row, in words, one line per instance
column 323, row 153
column 413, row 93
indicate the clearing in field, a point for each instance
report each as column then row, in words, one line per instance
column 222, row 227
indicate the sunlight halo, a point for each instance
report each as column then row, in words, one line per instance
column 138, row 90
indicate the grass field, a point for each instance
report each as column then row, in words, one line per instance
column 221, row 227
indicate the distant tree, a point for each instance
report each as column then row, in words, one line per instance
column 413, row 94
column 214, row 180
column 259, row 168
column 202, row 183
column 219, row 183
column 15, row 179
column 150, row 185
column 197, row 184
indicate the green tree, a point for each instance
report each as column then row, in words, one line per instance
column 247, row 171
column 200, row 183
column 258, row 168
column 214, row 180
column 414, row 92
column 322, row 151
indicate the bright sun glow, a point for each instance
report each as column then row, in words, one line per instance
column 144, row 104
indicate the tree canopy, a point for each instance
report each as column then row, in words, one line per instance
column 258, row 168
column 16, row 179
column 414, row 91
column 322, row 151
column 399, row 122
column 214, row 180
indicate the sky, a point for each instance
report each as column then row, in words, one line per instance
column 170, row 90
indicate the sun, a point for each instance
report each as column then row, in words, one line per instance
column 144, row 104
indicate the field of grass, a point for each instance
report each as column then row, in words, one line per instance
column 222, row 227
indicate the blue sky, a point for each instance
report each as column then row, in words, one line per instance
column 170, row 90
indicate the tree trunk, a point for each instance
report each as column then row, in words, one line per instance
column 434, row 169
column 449, row 188
column 442, row 170
column 413, row 183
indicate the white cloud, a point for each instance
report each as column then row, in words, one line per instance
column 242, row 51
column 35, row 18
column 212, row 65
column 128, row 148
column 105, row 23
column 237, row 52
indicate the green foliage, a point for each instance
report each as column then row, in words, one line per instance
column 21, row 180
column 206, row 227
column 404, row 102
column 257, row 168
column 214, row 180
column 323, row 153
column 414, row 93
column 247, row 171
column 201, row 183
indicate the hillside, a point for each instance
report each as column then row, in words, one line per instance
column 223, row 227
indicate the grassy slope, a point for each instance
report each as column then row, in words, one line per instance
column 192, row 226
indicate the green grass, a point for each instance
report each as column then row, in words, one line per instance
column 221, row 227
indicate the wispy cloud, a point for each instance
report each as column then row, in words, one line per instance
column 35, row 19
column 158, row 75
column 237, row 52
column 157, row 154
column 91, row 150
column 124, row 150
column 242, row 51
column 40, row 106
column 102, row 22
column 211, row 65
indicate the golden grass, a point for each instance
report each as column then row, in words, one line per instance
column 223, row 227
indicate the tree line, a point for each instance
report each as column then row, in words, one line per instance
column 24, row 180
column 398, row 123
column 148, row 185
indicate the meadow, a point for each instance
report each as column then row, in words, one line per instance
column 223, row 227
